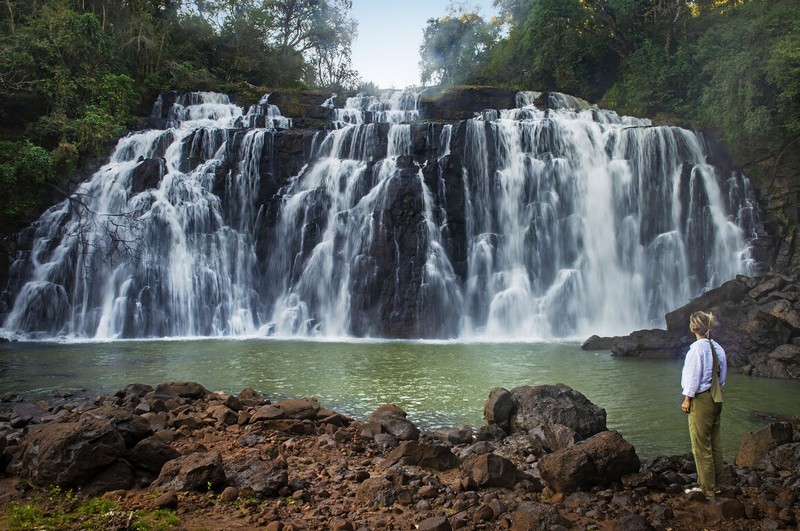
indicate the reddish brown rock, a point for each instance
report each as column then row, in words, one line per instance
column 597, row 461
column 68, row 454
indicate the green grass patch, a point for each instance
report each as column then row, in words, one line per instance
column 57, row 509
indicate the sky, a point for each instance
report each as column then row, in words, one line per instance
column 386, row 50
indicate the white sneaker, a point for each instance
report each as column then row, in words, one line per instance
column 693, row 489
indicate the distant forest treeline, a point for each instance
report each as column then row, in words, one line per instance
column 76, row 73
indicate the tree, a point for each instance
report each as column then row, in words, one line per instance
column 24, row 168
column 455, row 48
column 572, row 46
column 737, row 98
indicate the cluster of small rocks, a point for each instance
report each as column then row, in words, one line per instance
column 543, row 460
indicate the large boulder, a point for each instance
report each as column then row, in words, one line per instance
column 786, row 458
column 759, row 326
column 118, row 476
column 783, row 362
column 299, row 409
column 191, row 390
column 754, row 449
column 644, row 344
column 533, row 515
column 132, row 428
column 199, row 472
column 250, row 470
column 499, row 408
column 423, row 455
column 598, row 461
column 492, row 470
column 392, row 420
column 549, row 405
column 150, row 454
column 68, row 454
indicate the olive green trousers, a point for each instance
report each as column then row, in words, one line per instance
column 704, row 424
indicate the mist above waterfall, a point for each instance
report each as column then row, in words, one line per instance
column 552, row 219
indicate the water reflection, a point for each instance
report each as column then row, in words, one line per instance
column 435, row 383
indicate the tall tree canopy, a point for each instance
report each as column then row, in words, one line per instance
column 74, row 73
column 455, row 48
column 727, row 65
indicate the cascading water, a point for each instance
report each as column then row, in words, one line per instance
column 543, row 221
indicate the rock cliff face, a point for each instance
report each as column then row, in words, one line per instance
column 759, row 327
column 780, row 198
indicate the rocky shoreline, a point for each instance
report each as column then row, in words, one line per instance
column 759, row 327
column 544, row 459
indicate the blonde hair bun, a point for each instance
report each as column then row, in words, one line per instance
column 702, row 323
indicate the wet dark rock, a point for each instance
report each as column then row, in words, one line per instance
column 758, row 327
column 600, row 460
column 386, row 279
column 147, row 175
column 643, row 344
column 461, row 103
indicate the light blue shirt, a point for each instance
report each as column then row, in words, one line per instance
column 696, row 377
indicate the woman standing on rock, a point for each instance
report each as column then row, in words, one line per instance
column 704, row 372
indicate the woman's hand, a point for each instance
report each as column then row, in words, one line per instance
column 687, row 403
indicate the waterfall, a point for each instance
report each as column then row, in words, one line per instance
column 552, row 219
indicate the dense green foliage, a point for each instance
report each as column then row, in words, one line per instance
column 729, row 66
column 75, row 73
column 456, row 47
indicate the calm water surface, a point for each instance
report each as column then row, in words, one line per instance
column 437, row 384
